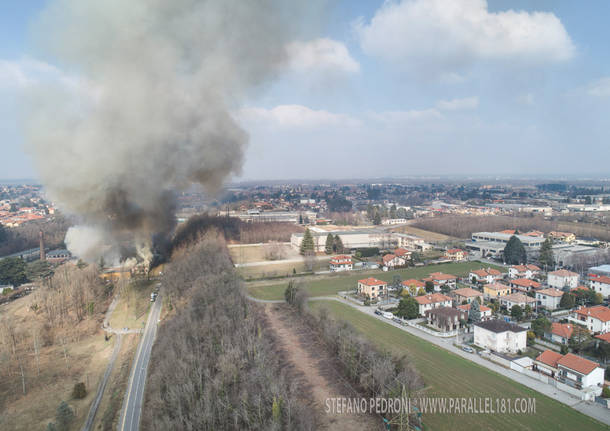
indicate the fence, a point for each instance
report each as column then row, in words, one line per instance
column 548, row 345
column 413, row 324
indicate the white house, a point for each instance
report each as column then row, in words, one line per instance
column 596, row 319
column 523, row 271
column 439, row 279
column 341, row 263
column 560, row 332
column 509, row 301
column 600, row 284
column 488, row 275
column 392, row 261
column 581, row 372
column 549, row 298
column 562, row 278
column 433, row 300
column 500, row 336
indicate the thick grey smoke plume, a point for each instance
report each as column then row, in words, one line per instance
column 148, row 110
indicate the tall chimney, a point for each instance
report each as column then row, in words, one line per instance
column 43, row 254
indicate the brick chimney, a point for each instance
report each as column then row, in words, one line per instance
column 43, row 254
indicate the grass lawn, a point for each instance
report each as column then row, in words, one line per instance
column 345, row 281
column 132, row 308
column 448, row 375
column 279, row 269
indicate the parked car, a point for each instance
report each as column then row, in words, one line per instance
column 468, row 349
column 397, row 320
column 388, row 315
column 378, row 312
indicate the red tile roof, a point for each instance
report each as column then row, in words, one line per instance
column 467, row 292
column 432, row 298
column 454, row 250
column 604, row 337
column 564, row 330
column 341, row 259
column 601, row 279
column 441, row 276
column 525, row 282
column 466, row 307
column 388, row 257
column 577, row 363
column 549, row 358
column 413, row 282
column 551, row 292
column 598, row 312
column 497, row 286
column 563, row 273
column 402, row 252
column 371, row 281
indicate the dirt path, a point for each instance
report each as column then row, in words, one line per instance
column 317, row 369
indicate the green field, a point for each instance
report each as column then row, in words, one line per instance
column 448, row 375
column 345, row 281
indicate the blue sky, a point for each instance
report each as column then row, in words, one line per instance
column 407, row 88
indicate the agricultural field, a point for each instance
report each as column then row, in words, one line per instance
column 281, row 268
column 427, row 235
column 448, row 375
column 330, row 285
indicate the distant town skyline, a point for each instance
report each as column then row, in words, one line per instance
column 393, row 89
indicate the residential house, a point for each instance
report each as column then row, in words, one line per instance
column 509, row 301
column 439, row 279
column 455, row 254
column 372, row 288
column 562, row 278
column 523, row 271
column 500, row 336
column 560, row 332
column 485, row 311
column 392, row 261
column 403, row 253
column 546, row 363
column 524, row 285
column 581, row 373
column 340, row 263
column 567, row 237
column 432, row 300
column 488, row 275
column 595, row 319
column 467, row 294
column 495, row 290
column 446, row 318
column 549, row 298
column 600, row 284
column 413, row 286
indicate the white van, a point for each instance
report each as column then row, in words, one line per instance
column 388, row 315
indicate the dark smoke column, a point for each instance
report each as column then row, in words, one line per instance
column 147, row 108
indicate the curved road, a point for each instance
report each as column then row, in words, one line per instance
column 134, row 397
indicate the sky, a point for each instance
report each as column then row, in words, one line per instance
column 397, row 88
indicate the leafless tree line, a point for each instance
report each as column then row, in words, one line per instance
column 375, row 373
column 213, row 365
column 73, row 295
column 463, row 226
column 26, row 236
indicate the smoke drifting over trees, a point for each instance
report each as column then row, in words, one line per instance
column 148, row 109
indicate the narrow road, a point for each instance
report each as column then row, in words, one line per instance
column 102, row 386
column 132, row 403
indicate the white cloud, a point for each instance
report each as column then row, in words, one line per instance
column 326, row 55
column 600, row 88
column 295, row 116
column 26, row 72
column 406, row 117
column 458, row 104
column 443, row 35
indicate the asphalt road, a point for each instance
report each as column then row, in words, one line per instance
column 134, row 397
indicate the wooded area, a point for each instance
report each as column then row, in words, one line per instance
column 213, row 365
column 462, row 226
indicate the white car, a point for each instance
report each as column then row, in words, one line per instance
column 388, row 315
